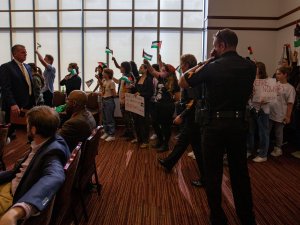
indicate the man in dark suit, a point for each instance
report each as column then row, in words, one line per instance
column 16, row 85
column 27, row 189
column 81, row 124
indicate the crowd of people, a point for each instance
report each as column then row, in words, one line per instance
column 212, row 104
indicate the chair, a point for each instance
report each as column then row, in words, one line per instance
column 93, row 106
column 3, row 138
column 87, row 168
column 58, row 208
column 59, row 98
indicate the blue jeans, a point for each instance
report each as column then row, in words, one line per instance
column 261, row 120
column 108, row 115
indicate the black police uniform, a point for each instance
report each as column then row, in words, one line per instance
column 229, row 81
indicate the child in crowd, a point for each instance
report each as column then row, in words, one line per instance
column 108, row 93
column 259, row 117
column 281, row 109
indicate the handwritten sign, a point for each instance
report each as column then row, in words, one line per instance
column 135, row 104
column 264, row 90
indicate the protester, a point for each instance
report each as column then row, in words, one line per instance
column 38, row 84
column 72, row 81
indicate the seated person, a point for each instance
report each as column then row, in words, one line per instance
column 30, row 186
column 81, row 124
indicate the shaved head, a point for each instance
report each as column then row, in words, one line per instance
column 79, row 97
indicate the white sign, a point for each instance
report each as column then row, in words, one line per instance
column 135, row 104
column 264, row 90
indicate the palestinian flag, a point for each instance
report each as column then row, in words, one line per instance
column 178, row 69
column 102, row 64
column 125, row 79
column 297, row 43
column 156, row 44
column 89, row 82
column 108, row 51
column 147, row 56
column 38, row 45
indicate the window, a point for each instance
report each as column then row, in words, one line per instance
column 80, row 30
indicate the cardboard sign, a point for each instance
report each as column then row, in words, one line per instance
column 135, row 104
column 264, row 90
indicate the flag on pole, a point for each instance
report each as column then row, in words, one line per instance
column 156, row 44
column 297, row 43
column 147, row 56
column 178, row 69
column 108, row 51
column 38, row 45
column 102, row 64
column 89, row 82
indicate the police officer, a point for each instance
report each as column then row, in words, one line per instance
column 229, row 81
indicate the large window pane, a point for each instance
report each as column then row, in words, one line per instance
column 193, row 19
column 21, row 4
column 95, row 19
column 170, row 19
column 145, row 19
column 120, row 42
column 22, row 19
column 46, row 19
column 45, row 4
column 145, row 4
column 4, row 47
column 48, row 40
column 94, row 47
column 4, row 5
column 193, row 4
column 170, row 49
column 120, row 4
column 70, row 52
column 70, row 4
column 4, row 21
column 25, row 38
column 170, row 4
column 143, row 40
column 192, row 44
column 120, row 19
column 70, row 19
column 94, row 4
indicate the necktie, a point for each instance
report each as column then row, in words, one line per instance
column 26, row 77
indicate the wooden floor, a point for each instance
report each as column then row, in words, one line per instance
column 137, row 191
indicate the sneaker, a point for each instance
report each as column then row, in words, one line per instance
column 104, row 136
column 153, row 137
column 110, row 138
column 134, row 141
column 7, row 140
column 144, row 145
column 259, row 159
column 192, row 155
column 276, row 152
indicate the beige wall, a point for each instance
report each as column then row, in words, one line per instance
column 266, row 45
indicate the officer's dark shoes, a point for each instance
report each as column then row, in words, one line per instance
column 164, row 164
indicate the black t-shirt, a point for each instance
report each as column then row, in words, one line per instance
column 229, row 82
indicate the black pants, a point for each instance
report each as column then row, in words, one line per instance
column 162, row 121
column 48, row 98
column 128, row 121
column 229, row 134
column 142, row 127
column 190, row 135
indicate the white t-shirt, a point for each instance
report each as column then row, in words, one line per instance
column 108, row 86
column 285, row 94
